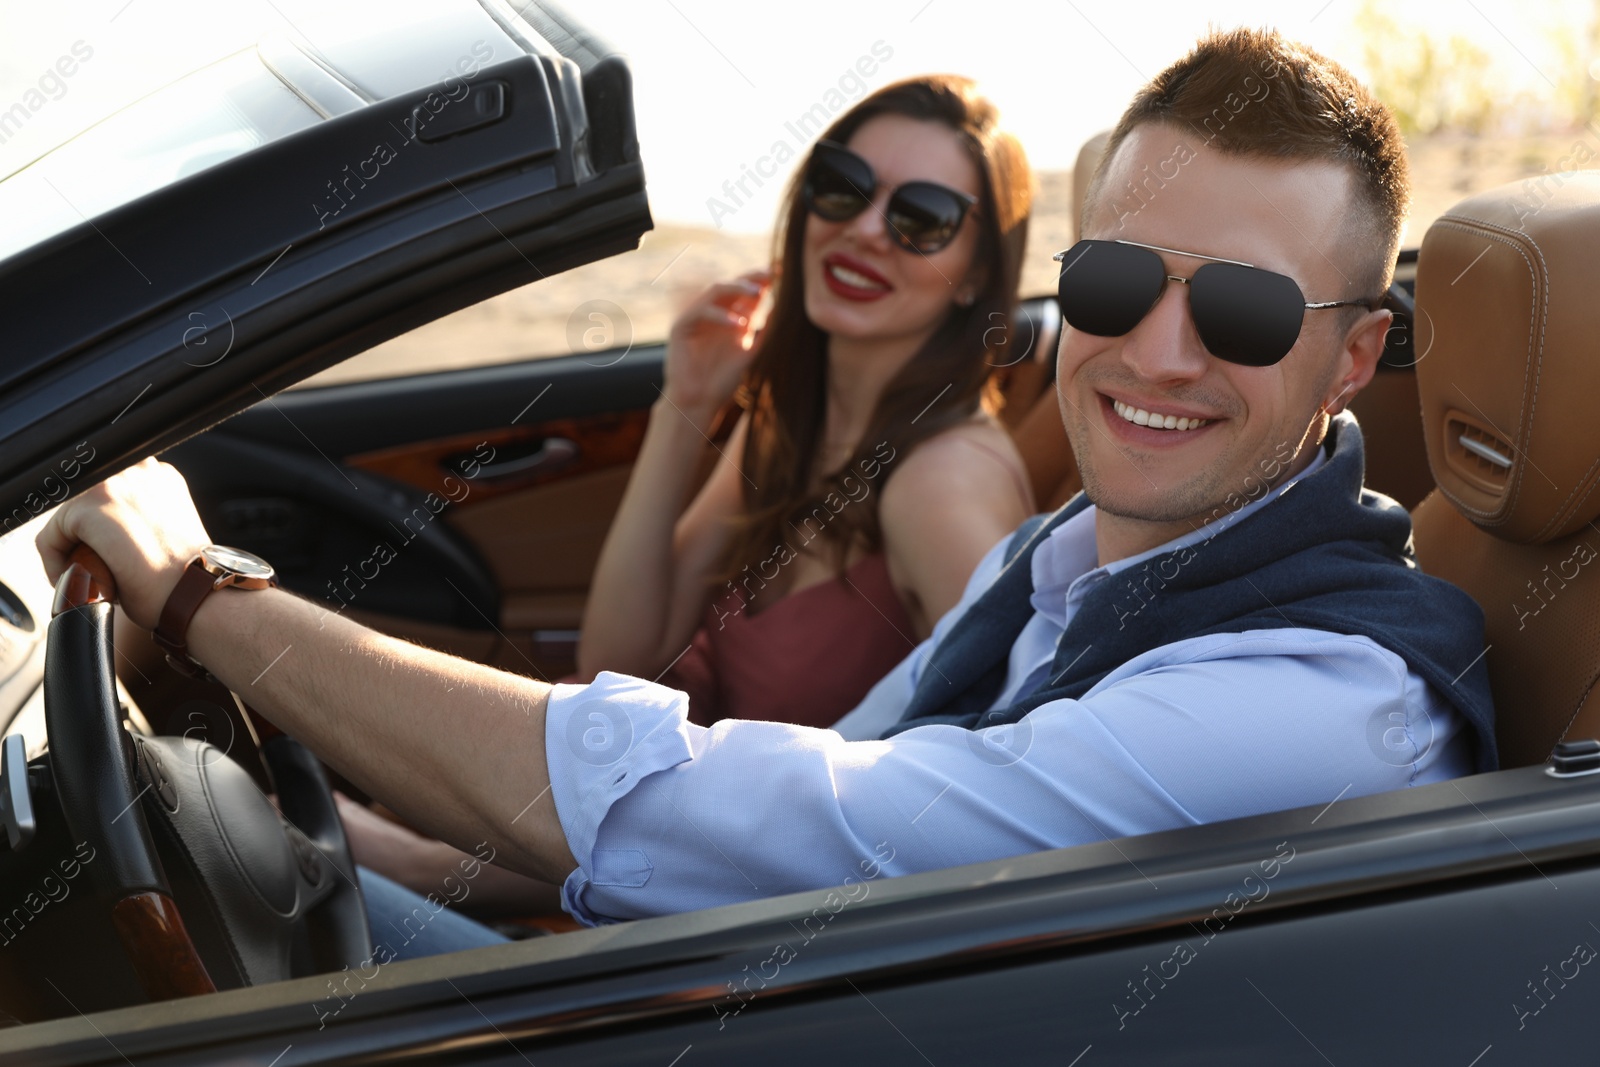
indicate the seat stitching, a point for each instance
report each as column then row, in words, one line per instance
column 1564, row 510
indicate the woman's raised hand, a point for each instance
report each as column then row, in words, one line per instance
column 711, row 344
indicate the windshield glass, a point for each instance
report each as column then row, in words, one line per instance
column 163, row 98
column 213, row 115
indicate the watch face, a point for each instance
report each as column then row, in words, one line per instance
column 240, row 562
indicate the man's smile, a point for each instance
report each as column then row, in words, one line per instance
column 1149, row 423
column 1155, row 419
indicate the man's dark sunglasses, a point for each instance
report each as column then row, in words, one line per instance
column 922, row 216
column 1242, row 313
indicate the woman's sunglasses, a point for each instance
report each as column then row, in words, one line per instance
column 922, row 216
column 1242, row 313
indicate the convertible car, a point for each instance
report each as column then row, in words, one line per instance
column 167, row 276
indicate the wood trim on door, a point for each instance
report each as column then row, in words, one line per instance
column 601, row 441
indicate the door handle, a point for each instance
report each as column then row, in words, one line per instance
column 551, row 455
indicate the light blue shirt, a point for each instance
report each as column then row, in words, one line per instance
column 665, row 816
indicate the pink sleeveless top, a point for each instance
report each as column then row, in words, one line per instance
column 807, row 658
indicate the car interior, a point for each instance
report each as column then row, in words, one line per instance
column 1474, row 422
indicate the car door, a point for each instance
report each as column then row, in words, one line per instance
column 1392, row 928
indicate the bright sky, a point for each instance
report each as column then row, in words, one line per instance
column 716, row 80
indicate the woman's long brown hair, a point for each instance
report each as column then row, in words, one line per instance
column 785, row 391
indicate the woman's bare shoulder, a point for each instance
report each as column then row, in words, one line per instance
column 954, row 497
column 971, row 455
column 968, row 482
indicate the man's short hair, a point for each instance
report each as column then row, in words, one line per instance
column 1251, row 93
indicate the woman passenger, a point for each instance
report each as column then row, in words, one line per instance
column 866, row 475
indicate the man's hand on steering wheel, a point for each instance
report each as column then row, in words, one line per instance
column 143, row 526
column 142, row 523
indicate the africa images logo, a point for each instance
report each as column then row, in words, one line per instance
column 1397, row 736
column 600, row 735
column 1000, row 743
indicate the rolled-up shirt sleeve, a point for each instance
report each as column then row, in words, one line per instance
column 602, row 738
column 665, row 816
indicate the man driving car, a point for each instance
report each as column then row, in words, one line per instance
column 1221, row 624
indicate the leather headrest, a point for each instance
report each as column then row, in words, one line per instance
column 1508, row 331
column 1082, row 170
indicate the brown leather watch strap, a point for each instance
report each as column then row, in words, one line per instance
column 172, row 632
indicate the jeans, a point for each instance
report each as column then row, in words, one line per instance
column 407, row 926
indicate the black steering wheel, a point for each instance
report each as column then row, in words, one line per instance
column 211, row 887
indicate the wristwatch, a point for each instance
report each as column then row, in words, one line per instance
column 216, row 567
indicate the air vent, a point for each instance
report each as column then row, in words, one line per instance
column 1478, row 455
column 1487, row 448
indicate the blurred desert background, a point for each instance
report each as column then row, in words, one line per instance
column 1465, row 133
column 559, row 316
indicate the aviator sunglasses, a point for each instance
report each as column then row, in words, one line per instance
column 1242, row 313
column 922, row 216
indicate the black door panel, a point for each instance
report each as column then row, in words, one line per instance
column 1470, row 894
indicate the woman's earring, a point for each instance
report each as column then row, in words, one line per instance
column 966, row 299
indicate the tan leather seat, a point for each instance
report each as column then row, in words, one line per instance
column 1508, row 380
